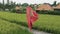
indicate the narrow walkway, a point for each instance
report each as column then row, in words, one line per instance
column 36, row 31
column 39, row 32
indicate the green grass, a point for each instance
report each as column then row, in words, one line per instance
column 12, row 28
column 13, row 17
column 48, row 23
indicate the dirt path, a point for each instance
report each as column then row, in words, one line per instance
column 39, row 32
column 36, row 31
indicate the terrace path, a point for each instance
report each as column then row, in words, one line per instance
column 39, row 32
column 36, row 31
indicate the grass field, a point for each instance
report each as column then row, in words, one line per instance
column 12, row 28
column 48, row 23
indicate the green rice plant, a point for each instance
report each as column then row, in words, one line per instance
column 48, row 23
column 12, row 28
column 13, row 17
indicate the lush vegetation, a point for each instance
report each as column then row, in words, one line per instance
column 13, row 17
column 48, row 23
column 12, row 28
column 49, row 12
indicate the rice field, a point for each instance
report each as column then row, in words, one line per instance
column 47, row 23
column 12, row 28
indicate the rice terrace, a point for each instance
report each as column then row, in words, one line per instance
column 48, row 23
column 16, row 18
